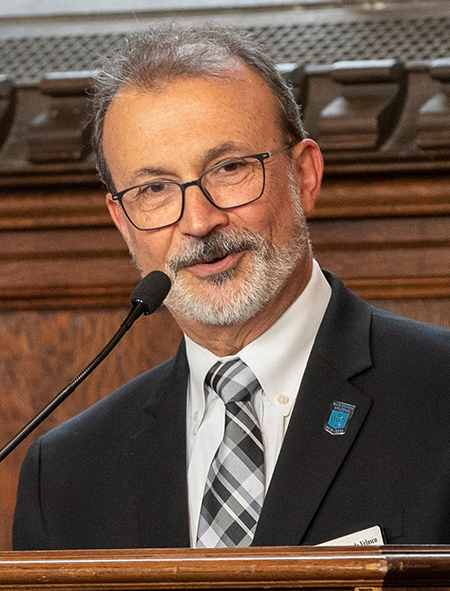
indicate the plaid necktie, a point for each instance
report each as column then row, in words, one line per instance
column 234, row 490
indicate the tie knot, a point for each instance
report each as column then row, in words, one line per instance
column 232, row 380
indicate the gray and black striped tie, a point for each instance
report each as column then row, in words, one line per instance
column 234, row 490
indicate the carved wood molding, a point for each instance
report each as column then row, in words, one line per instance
column 372, row 115
column 367, row 115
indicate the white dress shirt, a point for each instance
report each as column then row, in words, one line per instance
column 278, row 358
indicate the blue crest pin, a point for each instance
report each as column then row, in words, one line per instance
column 339, row 418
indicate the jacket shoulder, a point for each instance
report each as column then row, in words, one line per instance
column 123, row 408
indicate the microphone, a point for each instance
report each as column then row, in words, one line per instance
column 147, row 296
column 145, row 299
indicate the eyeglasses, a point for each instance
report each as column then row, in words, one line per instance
column 229, row 184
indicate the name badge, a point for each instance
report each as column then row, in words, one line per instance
column 372, row 536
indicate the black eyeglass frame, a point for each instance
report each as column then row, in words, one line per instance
column 198, row 182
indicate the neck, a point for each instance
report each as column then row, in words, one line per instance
column 225, row 340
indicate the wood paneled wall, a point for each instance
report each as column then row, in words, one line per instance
column 382, row 224
column 65, row 276
column 42, row 350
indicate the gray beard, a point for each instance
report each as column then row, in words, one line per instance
column 224, row 301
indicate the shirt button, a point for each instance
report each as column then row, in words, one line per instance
column 282, row 399
column 196, row 415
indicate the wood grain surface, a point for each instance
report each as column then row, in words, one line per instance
column 41, row 352
column 339, row 568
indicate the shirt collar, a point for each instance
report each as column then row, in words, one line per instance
column 279, row 356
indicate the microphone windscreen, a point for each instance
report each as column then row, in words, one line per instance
column 151, row 291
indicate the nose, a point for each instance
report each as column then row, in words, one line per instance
column 200, row 216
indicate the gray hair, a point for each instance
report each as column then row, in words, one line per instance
column 154, row 57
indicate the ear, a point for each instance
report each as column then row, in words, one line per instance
column 118, row 217
column 308, row 170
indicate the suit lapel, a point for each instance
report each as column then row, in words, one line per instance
column 310, row 456
column 159, row 460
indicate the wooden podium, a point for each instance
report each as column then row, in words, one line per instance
column 356, row 568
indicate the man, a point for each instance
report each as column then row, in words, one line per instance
column 293, row 413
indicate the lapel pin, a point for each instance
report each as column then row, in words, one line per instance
column 339, row 418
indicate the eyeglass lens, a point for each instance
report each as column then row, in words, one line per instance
column 230, row 184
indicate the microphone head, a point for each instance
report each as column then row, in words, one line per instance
column 151, row 291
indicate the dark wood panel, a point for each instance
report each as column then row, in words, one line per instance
column 65, row 267
column 404, row 257
column 435, row 311
column 374, row 195
column 66, row 275
column 40, row 352
column 384, row 194
column 381, row 232
column 400, row 257
column 389, row 262
column 382, row 223
column 53, row 243
column 61, row 206
column 402, row 288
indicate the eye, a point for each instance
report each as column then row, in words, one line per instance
column 153, row 195
column 234, row 171
column 232, row 166
column 154, row 188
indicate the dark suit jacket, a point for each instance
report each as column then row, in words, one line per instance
column 115, row 475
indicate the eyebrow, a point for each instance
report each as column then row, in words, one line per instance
column 146, row 171
column 224, row 149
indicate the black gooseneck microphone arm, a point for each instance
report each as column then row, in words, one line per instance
column 146, row 298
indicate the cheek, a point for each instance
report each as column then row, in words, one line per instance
column 151, row 249
column 272, row 215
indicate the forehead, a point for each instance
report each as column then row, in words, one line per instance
column 191, row 114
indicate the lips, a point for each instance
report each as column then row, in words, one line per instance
column 208, row 260
column 210, row 266
column 215, row 260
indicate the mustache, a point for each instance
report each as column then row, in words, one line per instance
column 214, row 246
